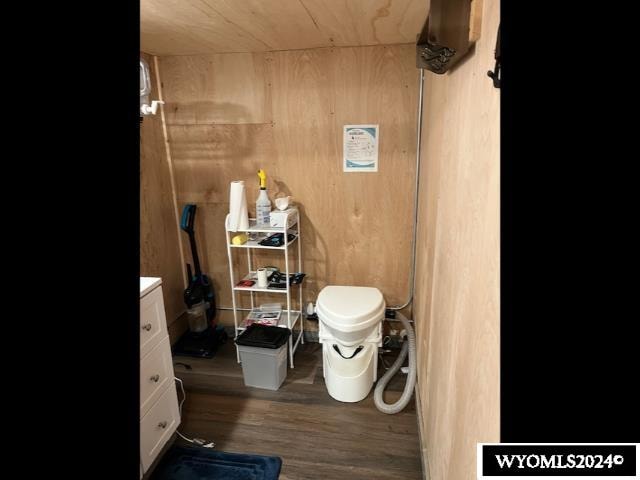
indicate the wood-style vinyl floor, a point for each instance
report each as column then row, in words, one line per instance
column 316, row 436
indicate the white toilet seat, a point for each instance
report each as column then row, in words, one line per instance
column 350, row 309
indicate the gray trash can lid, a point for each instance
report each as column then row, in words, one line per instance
column 264, row 336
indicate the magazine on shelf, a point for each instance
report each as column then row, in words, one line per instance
column 262, row 317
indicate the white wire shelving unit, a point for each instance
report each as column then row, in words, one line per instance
column 290, row 315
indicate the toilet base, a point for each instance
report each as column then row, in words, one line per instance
column 350, row 380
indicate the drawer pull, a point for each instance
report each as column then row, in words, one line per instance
column 155, row 378
column 163, row 424
column 147, row 327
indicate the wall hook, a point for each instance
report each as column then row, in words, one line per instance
column 146, row 109
column 495, row 74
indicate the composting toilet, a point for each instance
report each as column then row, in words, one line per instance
column 350, row 331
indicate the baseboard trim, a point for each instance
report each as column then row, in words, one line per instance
column 423, row 450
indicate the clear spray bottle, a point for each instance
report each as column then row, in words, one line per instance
column 263, row 204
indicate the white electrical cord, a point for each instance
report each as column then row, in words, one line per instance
column 197, row 441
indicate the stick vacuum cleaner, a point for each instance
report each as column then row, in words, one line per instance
column 203, row 337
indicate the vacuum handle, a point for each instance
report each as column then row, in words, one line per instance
column 186, row 224
column 194, row 254
column 188, row 216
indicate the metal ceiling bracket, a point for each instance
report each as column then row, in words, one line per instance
column 444, row 39
column 434, row 58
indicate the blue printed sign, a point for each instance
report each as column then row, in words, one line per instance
column 360, row 148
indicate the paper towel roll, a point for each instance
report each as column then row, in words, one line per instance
column 262, row 278
column 239, row 214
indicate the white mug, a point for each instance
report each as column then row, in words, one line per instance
column 282, row 202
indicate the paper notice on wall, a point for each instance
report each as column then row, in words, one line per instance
column 360, row 148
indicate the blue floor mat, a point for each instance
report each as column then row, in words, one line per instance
column 198, row 463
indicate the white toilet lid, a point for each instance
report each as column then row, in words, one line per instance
column 350, row 308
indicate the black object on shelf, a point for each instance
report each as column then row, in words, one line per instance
column 294, row 278
column 271, row 271
column 278, row 279
column 276, row 240
column 263, row 336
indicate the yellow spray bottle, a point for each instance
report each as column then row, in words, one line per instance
column 263, row 204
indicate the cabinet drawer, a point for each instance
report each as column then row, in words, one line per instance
column 157, row 426
column 156, row 371
column 153, row 322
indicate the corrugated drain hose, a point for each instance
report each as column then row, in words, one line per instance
column 408, row 346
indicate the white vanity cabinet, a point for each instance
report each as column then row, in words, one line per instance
column 159, row 412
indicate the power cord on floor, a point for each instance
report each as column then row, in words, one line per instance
column 196, row 441
column 382, row 360
column 385, row 342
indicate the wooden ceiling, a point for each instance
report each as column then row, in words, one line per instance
column 187, row 27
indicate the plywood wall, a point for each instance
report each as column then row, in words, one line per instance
column 230, row 114
column 159, row 246
column 189, row 27
column 457, row 297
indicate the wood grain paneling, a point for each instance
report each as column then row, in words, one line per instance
column 188, row 27
column 353, row 234
column 217, row 89
column 159, row 245
column 457, row 294
column 368, row 22
column 356, row 226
